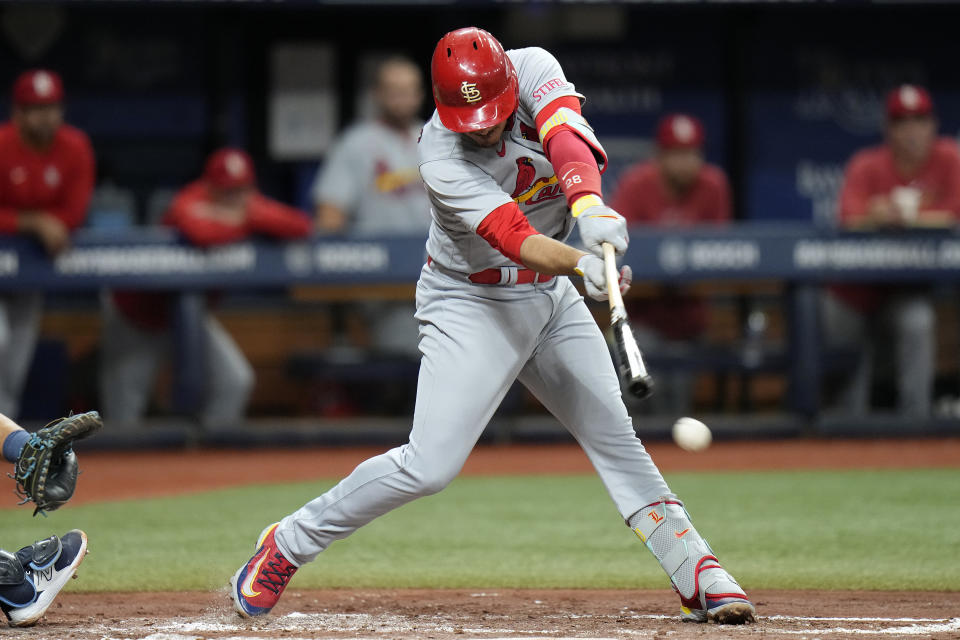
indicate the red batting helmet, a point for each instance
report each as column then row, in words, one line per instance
column 474, row 82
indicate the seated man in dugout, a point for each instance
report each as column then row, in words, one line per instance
column 223, row 206
column 675, row 188
column 370, row 186
column 911, row 180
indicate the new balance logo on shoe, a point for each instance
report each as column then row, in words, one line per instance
column 42, row 576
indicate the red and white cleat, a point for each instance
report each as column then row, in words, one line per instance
column 256, row 586
column 718, row 597
column 707, row 592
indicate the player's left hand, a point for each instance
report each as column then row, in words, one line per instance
column 591, row 268
column 599, row 224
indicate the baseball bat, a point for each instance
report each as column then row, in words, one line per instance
column 632, row 367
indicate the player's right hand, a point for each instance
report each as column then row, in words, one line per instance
column 591, row 268
column 599, row 224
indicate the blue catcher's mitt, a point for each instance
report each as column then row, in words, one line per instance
column 46, row 471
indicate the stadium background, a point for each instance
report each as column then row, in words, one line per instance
column 787, row 92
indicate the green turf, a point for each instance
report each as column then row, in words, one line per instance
column 845, row 530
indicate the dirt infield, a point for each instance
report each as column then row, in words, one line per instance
column 115, row 476
column 497, row 614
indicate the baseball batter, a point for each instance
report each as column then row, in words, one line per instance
column 509, row 164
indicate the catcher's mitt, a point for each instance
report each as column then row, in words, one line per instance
column 46, row 471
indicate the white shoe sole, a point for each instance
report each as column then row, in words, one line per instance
column 29, row 615
column 233, row 595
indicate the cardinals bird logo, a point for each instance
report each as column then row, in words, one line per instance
column 529, row 189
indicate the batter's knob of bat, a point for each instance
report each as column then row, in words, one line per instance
column 642, row 387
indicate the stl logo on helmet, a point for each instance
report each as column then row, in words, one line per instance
column 470, row 92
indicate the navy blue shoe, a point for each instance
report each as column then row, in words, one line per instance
column 31, row 579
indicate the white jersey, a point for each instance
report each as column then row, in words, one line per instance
column 466, row 182
column 371, row 175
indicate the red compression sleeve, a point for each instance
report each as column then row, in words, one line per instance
column 505, row 228
column 573, row 159
column 574, row 165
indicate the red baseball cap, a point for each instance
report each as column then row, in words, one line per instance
column 908, row 100
column 678, row 131
column 229, row 169
column 38, row 86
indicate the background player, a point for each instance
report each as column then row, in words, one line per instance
column 46, row 179
column 370, row 185
column 913, row 180
column 504, row 155
column 675, row 188
column 223, row 206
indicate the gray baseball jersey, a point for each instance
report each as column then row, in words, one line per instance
column 466, row 182
column 475, row 339
column 371, row 174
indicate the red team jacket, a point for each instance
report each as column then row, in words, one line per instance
column 642, row 198
column 871, row 172
column 58, row 181
column 264, row 216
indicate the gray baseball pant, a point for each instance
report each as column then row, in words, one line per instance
column 476, row 340
column 20, row 317
column 131, row 357
column 912, row 322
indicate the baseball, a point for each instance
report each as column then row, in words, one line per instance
column 691, row 434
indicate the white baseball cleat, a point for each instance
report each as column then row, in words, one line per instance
column 718, row 598
column 31, row 579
